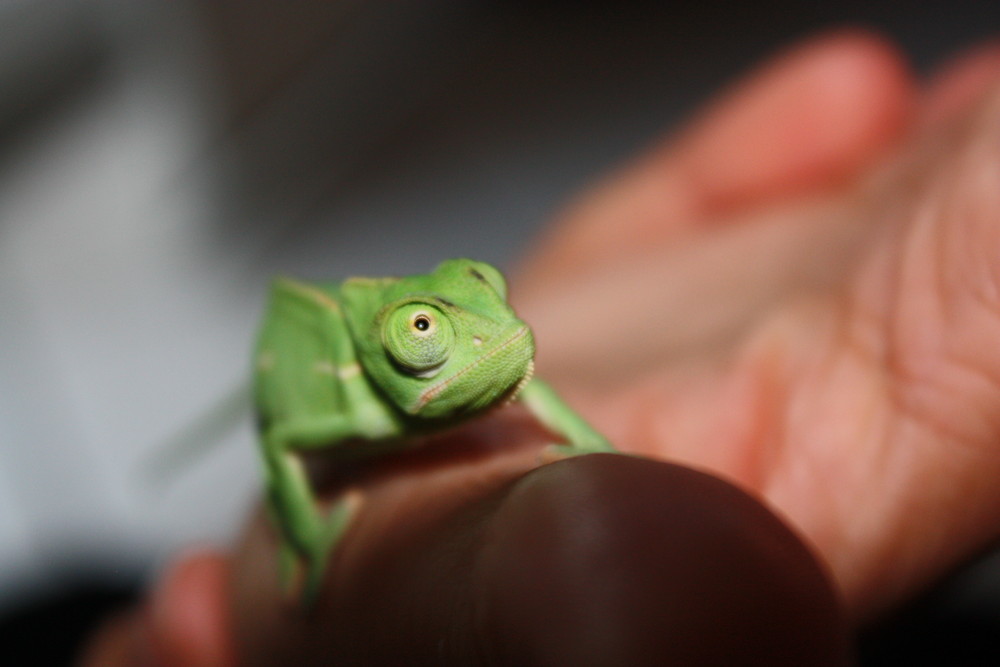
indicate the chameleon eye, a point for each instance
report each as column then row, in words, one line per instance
column 418, row 337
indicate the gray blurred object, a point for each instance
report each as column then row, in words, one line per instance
column 159, row 160
column 94, row 122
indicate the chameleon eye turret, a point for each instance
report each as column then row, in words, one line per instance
column 384, row 361
column 419, row 338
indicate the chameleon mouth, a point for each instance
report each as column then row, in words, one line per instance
column 436, row 390
column 522, row 383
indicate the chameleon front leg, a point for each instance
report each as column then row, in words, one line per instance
column 307, row 536
column 580, row 438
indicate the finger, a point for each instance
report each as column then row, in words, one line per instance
column 672, row 305
column 582, row 562
column 187, row 617
column 614, row 560
column 794, row 126
column 184, row 623
column 957, row 85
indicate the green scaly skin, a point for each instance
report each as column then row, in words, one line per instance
column 382, row 360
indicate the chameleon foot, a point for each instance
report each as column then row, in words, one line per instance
column 290, row 570
column 337, row 522
column 553, row 453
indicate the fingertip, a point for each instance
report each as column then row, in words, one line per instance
column 187, row 615
column 617, row 560
column 811, row 117
column 872, row 96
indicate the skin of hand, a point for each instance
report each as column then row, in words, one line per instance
column 807, row 275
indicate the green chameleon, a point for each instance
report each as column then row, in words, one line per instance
column 366, row 366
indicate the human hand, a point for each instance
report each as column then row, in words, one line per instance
column 825, row 293
column 795, row 294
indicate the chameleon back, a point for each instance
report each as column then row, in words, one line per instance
column 304, row 356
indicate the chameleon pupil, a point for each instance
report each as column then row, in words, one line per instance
column 421, row 324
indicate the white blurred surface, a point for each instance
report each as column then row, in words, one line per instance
column 111, row 314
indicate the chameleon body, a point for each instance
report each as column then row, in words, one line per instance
column 366, row 366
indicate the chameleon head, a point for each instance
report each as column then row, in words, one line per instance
column 449, row 344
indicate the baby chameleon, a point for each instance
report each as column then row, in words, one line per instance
column 381, row 361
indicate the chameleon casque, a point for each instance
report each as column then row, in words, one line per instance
column 383, row 361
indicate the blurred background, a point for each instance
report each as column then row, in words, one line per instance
column 160, row 160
